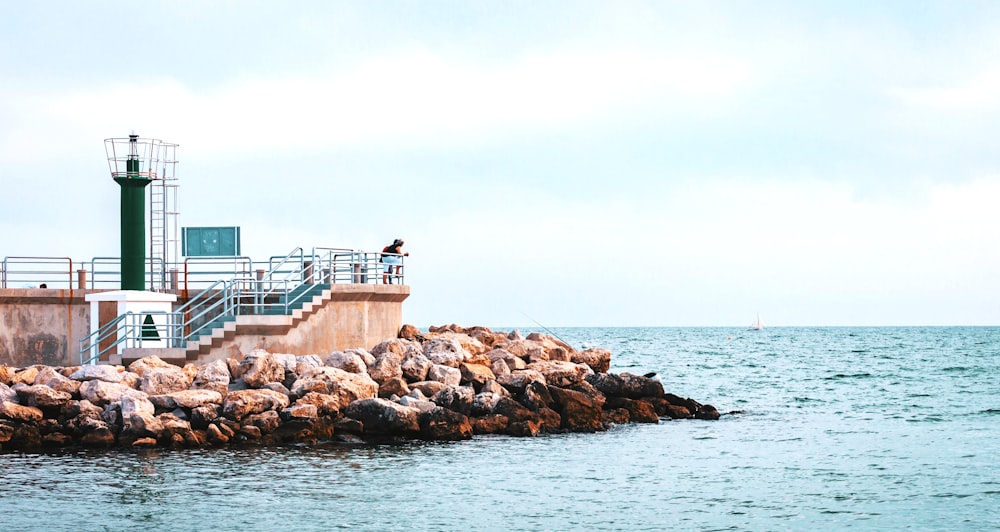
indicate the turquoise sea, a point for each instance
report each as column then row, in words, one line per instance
column 840, row 428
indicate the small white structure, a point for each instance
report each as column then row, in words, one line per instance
column 143, row 320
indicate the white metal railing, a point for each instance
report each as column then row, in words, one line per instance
column 132, row 330
column 328, row 265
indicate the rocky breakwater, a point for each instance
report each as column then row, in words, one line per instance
column 445, row 384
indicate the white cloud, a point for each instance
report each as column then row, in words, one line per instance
column 413, row 96
column 982, row 93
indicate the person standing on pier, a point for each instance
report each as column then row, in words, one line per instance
column 392, row 257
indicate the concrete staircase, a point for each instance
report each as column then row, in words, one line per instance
column 304, row 301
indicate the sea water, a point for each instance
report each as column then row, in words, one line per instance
column 863, row 428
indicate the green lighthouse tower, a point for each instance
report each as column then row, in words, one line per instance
column 133, row 218
column 145, row 167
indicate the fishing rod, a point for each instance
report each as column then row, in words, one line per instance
column 544, row 327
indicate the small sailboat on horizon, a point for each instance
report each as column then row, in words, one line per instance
column 758, row 324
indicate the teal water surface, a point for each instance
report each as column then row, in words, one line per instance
column 865, row 428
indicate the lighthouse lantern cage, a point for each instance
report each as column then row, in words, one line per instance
column 134, row 160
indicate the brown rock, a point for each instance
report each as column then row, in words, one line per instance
column 326, row 405
column 394, row 386
column 398, row 346
column 475, row 374
column 144, row 424
column 96, row 433
column 215, row 435
column 144, row 442
column 16, row 412
column 6, row 431
column 343, row 385
column 490, row 424
column 677, row 412
column 528, row 428
column 48, row 376
column 536, row 395
column 6, row 374
column 615, row 416
column 25, row 376
column 579, row 412
column 444, row 424
column 707, row 412
column 513, row 410
column 384, row 418
column 251, row 432
column 42, row 396
column 409, row 332
column 598, row 359
column 267, row 422
column 299, row 411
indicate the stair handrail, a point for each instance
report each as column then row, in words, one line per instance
column 213, row 302
column 271, row 285
column 129, row 328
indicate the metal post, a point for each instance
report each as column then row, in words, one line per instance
column 357, row 273
column 81, row 279
column 174, row 279
column 307, row 272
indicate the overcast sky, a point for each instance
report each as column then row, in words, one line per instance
column 571, row 163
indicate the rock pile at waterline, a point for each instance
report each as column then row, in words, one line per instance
column 446, row 384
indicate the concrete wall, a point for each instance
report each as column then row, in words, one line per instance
column 42, row 326
column 355, row 316
column 45, row 326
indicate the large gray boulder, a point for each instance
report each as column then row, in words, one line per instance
column 517, row 381
column 186, row 399
column 48, row 376
column 161, row 380
column 451, row 376
column 213, row 376
column 387, row 366
column 415, row 367
column 41, row 396
column 342, row 385
column 106, row 373
column 457, row 398
column 562, row 373
column 144, row 364
column 445, row 352
column 259, row 368
column 242, row 403
column 100, row 393
column 349, row 362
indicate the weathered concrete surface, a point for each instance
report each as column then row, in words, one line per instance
column 42, row 326
column 45, row 326
column 356, row 314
